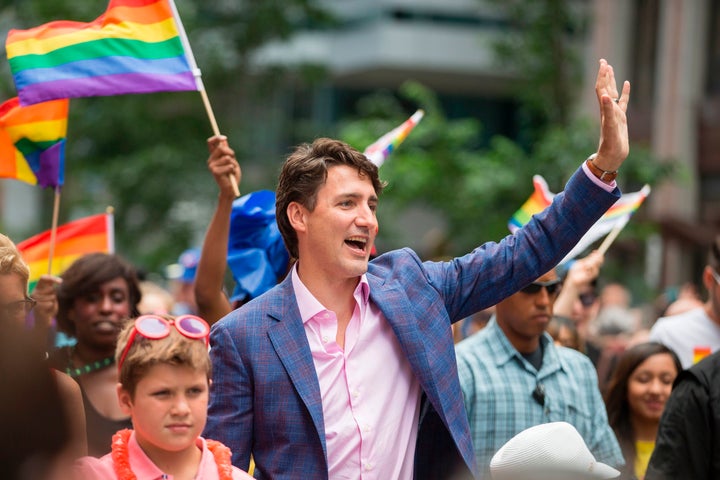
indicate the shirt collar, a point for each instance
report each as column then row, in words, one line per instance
column 144, row 468
column 309, row 306
column 504, row 351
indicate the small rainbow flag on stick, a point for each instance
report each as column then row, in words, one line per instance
column 32, row 142
column 136, row 46
column 613, row 220
column 73, row 239
column 378, row 151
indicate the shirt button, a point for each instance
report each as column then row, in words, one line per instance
column 355, row 394
column 368, row 466
column 366, row 428
column 325, row 339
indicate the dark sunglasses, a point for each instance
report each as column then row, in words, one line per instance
column 552, row 287
column 587, row 298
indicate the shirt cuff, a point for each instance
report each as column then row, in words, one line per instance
column 608, row 187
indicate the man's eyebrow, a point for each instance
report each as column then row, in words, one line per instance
column 356, row 196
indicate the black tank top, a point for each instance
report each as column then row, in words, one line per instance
column 99, row 429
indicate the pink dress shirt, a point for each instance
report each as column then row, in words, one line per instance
column 370, row 397
column 91, row 468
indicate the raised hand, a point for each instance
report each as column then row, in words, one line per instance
column 46, row 297
column 614, row 142
column 223, row 165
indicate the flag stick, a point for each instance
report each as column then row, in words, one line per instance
column 611, row 237
column 216, row 131
column 198, row 81
column 53, row 229
column 110, row 211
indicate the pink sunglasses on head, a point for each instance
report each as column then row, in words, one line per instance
column 155, row 327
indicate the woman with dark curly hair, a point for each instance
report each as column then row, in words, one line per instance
column 635, row 400
column 98, row 293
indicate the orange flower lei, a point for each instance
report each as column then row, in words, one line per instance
column 121, row 458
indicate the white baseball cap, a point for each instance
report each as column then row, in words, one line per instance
column 549, row 450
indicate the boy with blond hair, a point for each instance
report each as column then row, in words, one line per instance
column 164, row 372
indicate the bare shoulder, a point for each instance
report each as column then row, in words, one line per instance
column 68, row 387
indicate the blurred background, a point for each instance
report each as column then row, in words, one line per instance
column 507, row 87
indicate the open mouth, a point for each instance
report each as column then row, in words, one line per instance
column 106, row 326
column 357, row 243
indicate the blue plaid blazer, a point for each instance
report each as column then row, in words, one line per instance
column 265, row 397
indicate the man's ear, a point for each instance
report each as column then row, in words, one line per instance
column 297, row 215
column 708, row 279
column 124, row 399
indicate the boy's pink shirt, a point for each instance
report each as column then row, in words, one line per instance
column 144, row 469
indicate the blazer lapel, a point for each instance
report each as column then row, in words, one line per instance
column 393, row 301
column 292, row 348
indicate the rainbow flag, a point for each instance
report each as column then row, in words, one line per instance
column 379, row 151
column 136, row 46
column 72, row 240
column 32, row 141
column 700, row 352
column 540, row 199
column 617, row 216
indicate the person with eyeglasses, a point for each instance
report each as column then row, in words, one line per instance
column 513, row 377
column 695, row 334
column 15, row 306
column 164, row 383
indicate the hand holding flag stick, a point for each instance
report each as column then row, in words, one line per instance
column 201, row 87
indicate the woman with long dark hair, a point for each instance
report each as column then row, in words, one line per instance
column 635, row 400
column 98, row 293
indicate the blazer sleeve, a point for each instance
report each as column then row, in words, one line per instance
column 496, row 270
column 230, row 414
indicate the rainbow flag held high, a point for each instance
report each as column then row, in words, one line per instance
column 136, row 46
column 617, row 216
column 32, row 141
column 72, row 240
column 379, row 151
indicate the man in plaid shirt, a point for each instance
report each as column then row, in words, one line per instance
column 513, row 377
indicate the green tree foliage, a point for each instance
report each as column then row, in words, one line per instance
column 145, row 155
column 477, row 189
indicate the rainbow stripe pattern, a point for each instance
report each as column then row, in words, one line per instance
column 381, row 149
column 616, row 216
column 699, row 353
column 136, row 46
column 72, row 240
column 540, row 199
column 32, row 141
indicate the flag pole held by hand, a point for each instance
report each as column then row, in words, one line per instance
column 200, row 86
